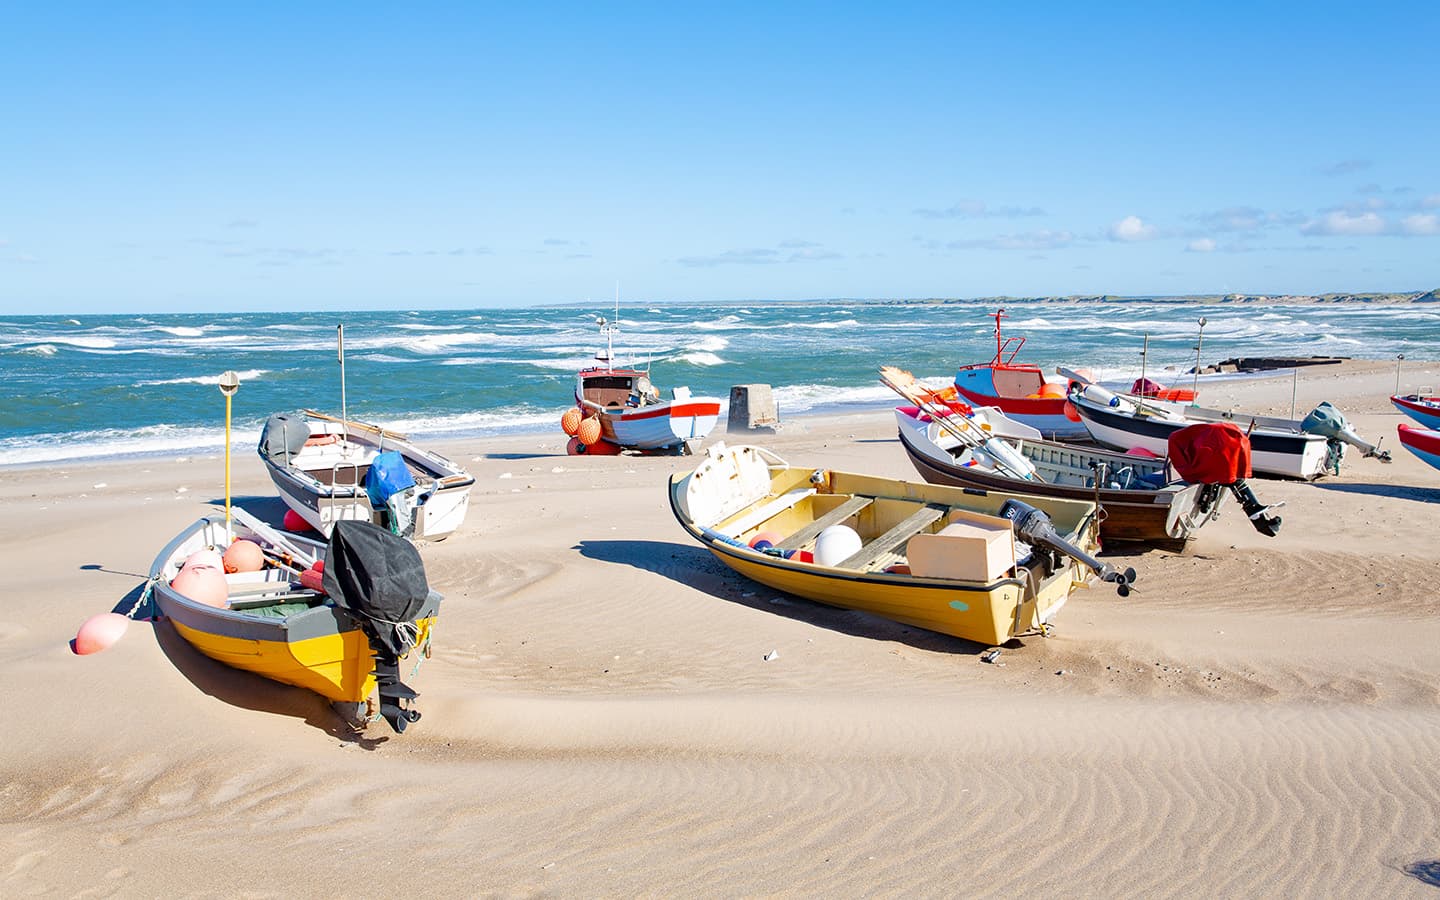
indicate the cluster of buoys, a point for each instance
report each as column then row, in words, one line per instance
column 585, row 434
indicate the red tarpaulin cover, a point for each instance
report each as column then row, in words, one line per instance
column 1211, row 454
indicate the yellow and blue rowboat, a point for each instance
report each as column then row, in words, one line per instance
column 274, row 627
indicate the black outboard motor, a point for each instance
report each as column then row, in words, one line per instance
column 380, row 580
column 1218, row 455
column 1034, row 527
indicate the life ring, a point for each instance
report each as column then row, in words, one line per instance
column 320, row 440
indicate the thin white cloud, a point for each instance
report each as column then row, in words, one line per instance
column 1201, row 245
column 1044, row 239
column 979, row 209
column 1339, row 222
column 1345, row 167
column 1431, row 201
column 754, row 257
column 1133, row 228
column 1420, row 223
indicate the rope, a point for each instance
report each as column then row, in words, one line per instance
column 144, row 598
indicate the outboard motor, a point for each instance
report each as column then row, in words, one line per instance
column 1218, row 455
column 1331, row 424
column 1034, row 527
column 379, row 579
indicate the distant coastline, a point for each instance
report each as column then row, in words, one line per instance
column 1372, row 298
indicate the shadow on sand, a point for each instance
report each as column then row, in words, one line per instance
column 697, row 568
column 1395, row 491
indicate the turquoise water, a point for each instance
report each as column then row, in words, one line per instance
column 103, row 386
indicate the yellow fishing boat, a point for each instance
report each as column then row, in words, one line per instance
column 981, row 565
column 278, row 621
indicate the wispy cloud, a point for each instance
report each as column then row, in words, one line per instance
column 752, row 257
column 1420, row 223
column 1340, row 222
column 1244, row 218
column 242, row 223
column 1430, row 201
column 799, row 251
column 1201, row 245
column 1346, row 167
column 1044, row 239
column 979, row 209
column 1132, row 229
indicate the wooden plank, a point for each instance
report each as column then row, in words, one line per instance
column 744, row 521
column 258, row 602
column 833, row 517
column 890, row 540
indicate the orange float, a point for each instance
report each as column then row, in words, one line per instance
column 570, row 421
column 589, row 431
column 243, row 556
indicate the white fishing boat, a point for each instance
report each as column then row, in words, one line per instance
column 329, row 469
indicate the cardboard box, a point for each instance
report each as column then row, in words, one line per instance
column 972, row 547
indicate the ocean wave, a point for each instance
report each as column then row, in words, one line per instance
column 81, row 342
column 709, row 344
column 247, row 375
column 39, row 350
column 181, row 330
column 699, row 358
column 843, row 323
column 118, row 442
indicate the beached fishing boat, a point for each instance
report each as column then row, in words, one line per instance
column 1423, row 442
column 274, row 617
column 980, row 565
column 329, row 469
column 1420, row 407
column 1020, row 390
column 1158, row 502
column 1140, row 500
column 621, row 409
column 1289, row 448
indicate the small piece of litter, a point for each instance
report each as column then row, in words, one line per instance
column 772, row 655
column 989, row 656
column 506, row 475
column 181, row 490
column 100, row 485
column 557, row 470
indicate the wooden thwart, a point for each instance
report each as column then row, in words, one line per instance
column 833, row 517
column 892, row 539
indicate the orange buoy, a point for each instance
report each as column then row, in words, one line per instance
column 570, row 422
column 589, row 431
column 1051, row 389
column 574, row 447
column 293, row 521
column 244, row 556
column 1071, row 412
column 99, row 632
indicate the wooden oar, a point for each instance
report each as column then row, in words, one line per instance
column 362, row 426
column 904, row 384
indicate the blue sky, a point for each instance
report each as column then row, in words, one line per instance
column 194, row 156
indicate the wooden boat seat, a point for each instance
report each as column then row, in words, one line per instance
column 833, row 517
column 888, row 542
column 765, row 513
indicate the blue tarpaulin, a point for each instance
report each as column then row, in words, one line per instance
column 388, row 475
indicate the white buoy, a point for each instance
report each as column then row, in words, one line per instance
column 836, row 544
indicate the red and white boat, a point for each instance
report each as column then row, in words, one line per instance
column 621, row 409
column 1423, row 409
column 1422, row 442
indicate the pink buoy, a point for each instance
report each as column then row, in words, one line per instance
column 293, row 521
column 764, row 540
column 202, row 579
column 1142, row 453
column 98, row 632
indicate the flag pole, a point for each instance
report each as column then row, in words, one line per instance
column 229, row 384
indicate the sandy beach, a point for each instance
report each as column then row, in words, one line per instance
column 1261, row 718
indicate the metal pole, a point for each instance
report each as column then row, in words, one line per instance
column 229, row 384
column 344, row 413
column 1399, row 358
column 1144, row 352
column 1294, row 387
column 1195, row 386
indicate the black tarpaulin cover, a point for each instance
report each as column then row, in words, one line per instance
column 377, row 576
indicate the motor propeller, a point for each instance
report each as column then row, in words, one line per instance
column 1034, row 527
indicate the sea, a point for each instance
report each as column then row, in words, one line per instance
column 113, row 386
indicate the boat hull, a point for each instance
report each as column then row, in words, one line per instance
column 1283, row 454
column 985, row 610
column 321, row 649
column 661, row 426
column 1165, row 517
column 1425, row 410
column 1423, row 442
